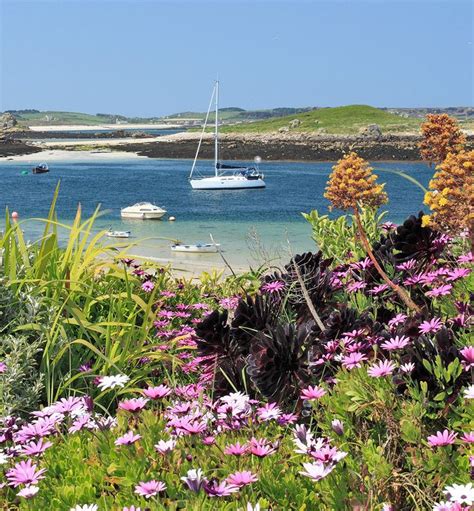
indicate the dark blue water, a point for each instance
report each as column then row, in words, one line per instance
column 291, row 189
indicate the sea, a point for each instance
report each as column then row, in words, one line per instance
column 252, row 226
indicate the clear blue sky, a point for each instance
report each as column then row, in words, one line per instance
column 151, row 57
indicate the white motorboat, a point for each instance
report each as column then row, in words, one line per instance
column 143, row 211
column 199, row 248
column 118, row 234
column 226, row 177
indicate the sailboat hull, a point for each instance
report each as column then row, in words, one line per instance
column 226, row 183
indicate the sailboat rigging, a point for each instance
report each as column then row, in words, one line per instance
column 226, row 177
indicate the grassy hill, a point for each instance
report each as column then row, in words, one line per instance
column 58, row 118
column 338, row 120
column 234, row 114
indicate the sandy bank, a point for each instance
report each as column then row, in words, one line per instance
column 71, row 156
column 104, row 127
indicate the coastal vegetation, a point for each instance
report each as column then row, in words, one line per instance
column 339, row 120
column 342, row 380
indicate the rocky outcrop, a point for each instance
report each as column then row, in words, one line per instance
column 372, row 130
column 7, row 121
column 285, row 146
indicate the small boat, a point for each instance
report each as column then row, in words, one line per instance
column 199, row 248
column 226, row 177
column 143, row 211
column 42, row 168
column 118, row 234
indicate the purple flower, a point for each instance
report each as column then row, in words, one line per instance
column 133, row 405
column 241, row 478
column 215, row 489
column 312, row 393
column 440, row 291
column 168, row 294
column 25, row 472
column 379, row 289
column 397, row 320
column 273, row 287
column 407, row 265
column 467, row 258
column 382, row 368
column 35, row 448
column 468, row 355
column 3, row 367
column 442, row 438
column 229, row 303
column 458, row 273
column 194, row 480
column 127, row 439
column 149, row 489
column 431, row 326
column 355, row 286
column 148, row 286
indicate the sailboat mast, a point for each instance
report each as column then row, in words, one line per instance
column 216, row 135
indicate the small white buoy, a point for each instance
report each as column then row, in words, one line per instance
column 172, row 218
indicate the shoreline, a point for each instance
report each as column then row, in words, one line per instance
column 48, row 155
column 295, row 146
column 98, row 127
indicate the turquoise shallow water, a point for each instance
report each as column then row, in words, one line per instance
column 235, row 218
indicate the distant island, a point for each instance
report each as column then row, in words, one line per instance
column 306, row 134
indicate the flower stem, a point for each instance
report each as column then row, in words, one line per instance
column 365, row 242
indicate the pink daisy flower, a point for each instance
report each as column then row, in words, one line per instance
column 353, row 360
column 236, row 449
column 148, row 286
column 312, row 393
column 468, row 437
column 396, row 343
column 268, row 412
column 133, row 405
column 468, row 356
column 383, row 368
column 442, row 438
column 440, row 291
column 149, row 489
column 273, row 287
column 127, row 439
column 431, row 326
column 35, row 448
column 157, row 392
column 25, row 472
column 241, row 478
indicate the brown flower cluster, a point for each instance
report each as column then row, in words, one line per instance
column 441, row 135
column 352, row 182
column 451, row 198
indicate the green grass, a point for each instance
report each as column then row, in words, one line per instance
column 338, row 120
column 58, row 118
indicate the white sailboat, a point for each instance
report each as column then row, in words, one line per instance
column 226, row 177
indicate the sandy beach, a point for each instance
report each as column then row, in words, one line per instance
column 97, row 127
column 71, row 156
